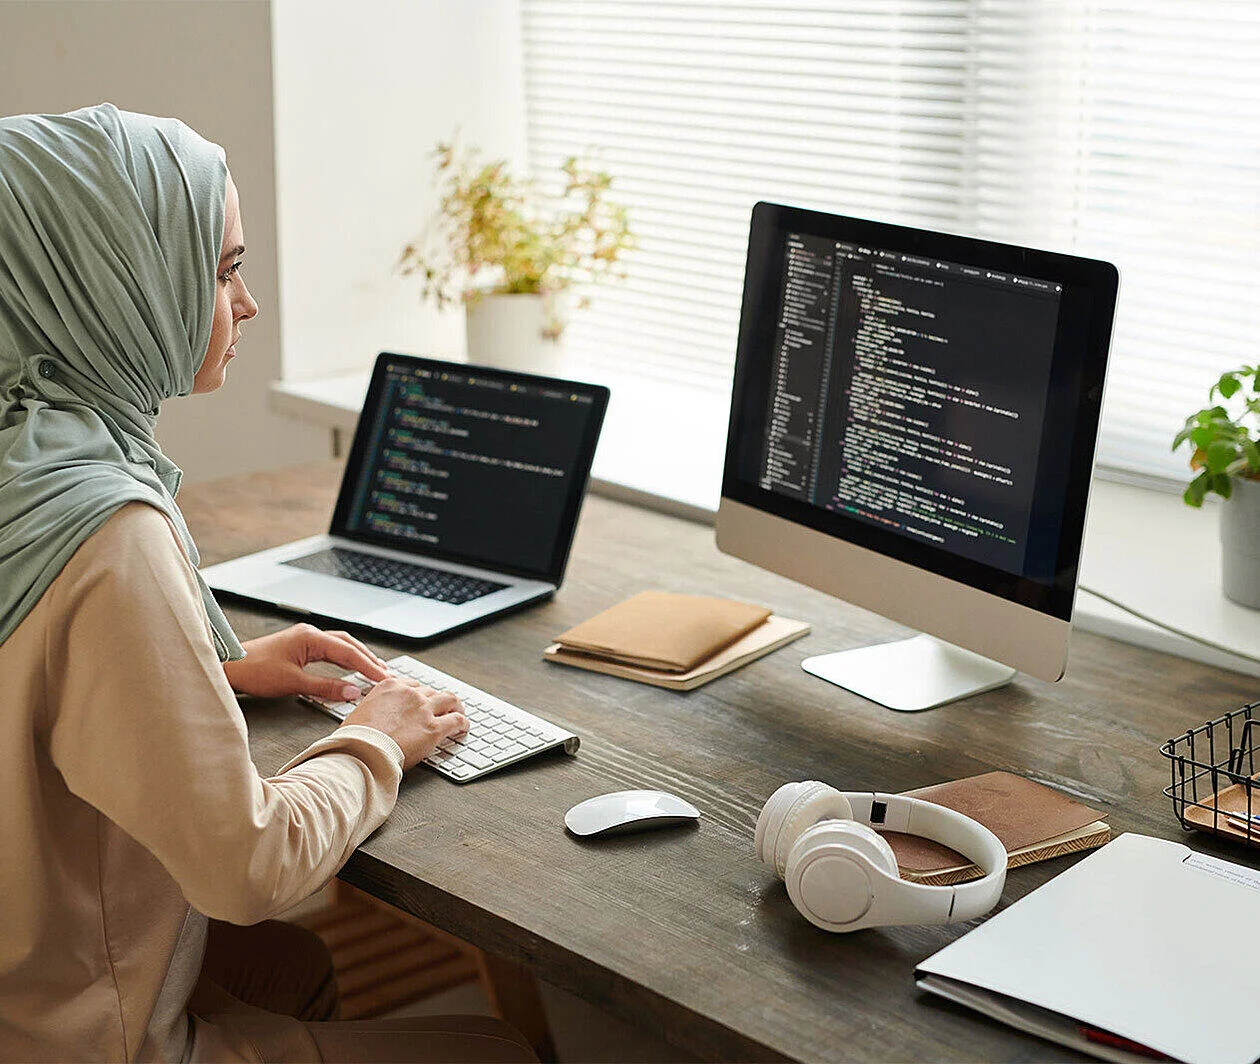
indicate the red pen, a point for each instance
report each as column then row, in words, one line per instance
column 1106, row 1038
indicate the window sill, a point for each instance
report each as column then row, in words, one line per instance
column 664, row 447
column 660, row 447
column 1154, row 553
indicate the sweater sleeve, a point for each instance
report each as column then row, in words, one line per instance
column 144, row 727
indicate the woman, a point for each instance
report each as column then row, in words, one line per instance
column 129, row 809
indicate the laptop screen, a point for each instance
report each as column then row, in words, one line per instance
column 470, row 464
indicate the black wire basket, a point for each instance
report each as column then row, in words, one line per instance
column 1215, row 786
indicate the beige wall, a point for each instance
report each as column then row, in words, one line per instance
column 363, row 92
column 209, row 63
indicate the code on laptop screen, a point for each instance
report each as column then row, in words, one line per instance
column 473, row 467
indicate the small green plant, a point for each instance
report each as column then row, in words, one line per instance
column 493, row 233
column 1224, row 443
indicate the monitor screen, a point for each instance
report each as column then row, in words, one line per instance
column 929, row 397
column 474, row 465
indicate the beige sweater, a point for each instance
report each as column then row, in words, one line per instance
column 130, row 811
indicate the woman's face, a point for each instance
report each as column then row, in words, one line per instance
column 232, row 304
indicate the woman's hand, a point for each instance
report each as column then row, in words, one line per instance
column 416, row 717
column 273, row 665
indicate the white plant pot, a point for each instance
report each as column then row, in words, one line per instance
column 506, row 331
column 1240, row 543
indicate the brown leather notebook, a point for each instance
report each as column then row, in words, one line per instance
column 1033, row 821
column 663, row 630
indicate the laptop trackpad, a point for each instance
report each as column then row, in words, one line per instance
column 328, row 595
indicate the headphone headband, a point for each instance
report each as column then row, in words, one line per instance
column 917, row 816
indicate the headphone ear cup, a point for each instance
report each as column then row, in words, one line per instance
column 770, row 820
column 876, row 848
column 832, row 872
column 790, row 810
column 865, row 840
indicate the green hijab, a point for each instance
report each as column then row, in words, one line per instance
column 111, row 225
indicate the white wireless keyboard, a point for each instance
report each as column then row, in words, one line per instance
column 499, row 733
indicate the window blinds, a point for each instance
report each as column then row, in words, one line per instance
column 1129, row 132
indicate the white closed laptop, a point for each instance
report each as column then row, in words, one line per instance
column 459, row 502
column 1144, row 940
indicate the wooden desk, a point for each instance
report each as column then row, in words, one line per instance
column 683, row 931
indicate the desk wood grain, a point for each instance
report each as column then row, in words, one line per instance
column 684, row 932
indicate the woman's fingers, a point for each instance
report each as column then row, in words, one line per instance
column 410, row 681
column 338, row 690
column 376, row 674
column 444, row 702
column 448, row 724
column 394, row 680
column 346, row 652
column 417, row 717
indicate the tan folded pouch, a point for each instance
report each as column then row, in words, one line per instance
column 663, row 630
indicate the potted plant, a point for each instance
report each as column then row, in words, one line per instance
column 1227, row 458
column 512, row 257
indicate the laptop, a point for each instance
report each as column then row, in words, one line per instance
column 458, row 503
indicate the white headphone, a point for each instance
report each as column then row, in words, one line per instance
column 842, row 875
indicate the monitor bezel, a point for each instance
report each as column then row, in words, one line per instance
column 554, row 572
column 1095, row 283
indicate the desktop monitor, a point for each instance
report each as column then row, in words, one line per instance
column 912, row 430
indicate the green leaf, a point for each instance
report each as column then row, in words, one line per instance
column 1228, row 385
column 1218, row 454
column 1196, row 490
column 1223, row 485
column 1180, row 438
column 1203, row 436
column 1252, row 453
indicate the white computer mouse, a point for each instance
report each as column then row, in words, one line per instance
column 622, row 811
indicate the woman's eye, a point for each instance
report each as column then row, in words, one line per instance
column 227, row 274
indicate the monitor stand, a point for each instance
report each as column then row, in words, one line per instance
column 910, row 674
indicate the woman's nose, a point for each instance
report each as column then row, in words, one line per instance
column 246, row 308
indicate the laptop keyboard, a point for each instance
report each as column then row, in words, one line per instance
column 499, row 733
column 408, row 577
